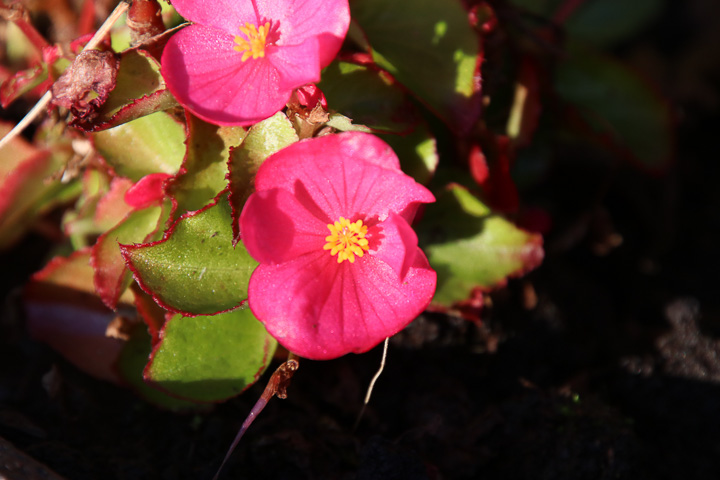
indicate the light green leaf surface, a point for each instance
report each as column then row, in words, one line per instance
column 205, row 168
column 369, row 99
column 429, row 47
column 195, row 269
column 262, row 140
column 469, row 246
column 211, row 358
column 132, row 361
column 150, row 144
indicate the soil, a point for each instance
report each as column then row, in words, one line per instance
column 604, row 363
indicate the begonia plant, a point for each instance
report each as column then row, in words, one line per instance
column 340, row 269
column 267, row 174
column 240, row 61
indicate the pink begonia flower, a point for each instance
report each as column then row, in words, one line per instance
column 340, row 268
column 241, row 59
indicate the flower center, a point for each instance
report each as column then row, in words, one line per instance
column 346, row 240
column 253, row 45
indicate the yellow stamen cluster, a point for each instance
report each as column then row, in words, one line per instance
column 346, row 240
column 253, row 45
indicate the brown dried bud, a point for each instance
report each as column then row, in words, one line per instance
column 86, row 84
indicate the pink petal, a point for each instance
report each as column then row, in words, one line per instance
column 227, row 15
column 367, row 183
column 397, row 246
column 297, row 65
column 320, row 309
column 326, row 20
column 275, row 227
column 207, row 76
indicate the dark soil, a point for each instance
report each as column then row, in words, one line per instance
column 602, row 364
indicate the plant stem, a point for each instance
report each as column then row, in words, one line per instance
column 372, row 383
column 277, row 385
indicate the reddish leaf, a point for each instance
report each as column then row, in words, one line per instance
column 63, row 311
column 112, row 276
column 16, row 13
column 112, row 208
column 204, row 169
column 155, row 102
column 152, row 314
column 21, row 83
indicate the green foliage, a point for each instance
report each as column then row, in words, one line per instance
column 617, row 105
column 195, row 269
column 470, row 246
column 429, row 47
column 150, row 144
column 210, row 358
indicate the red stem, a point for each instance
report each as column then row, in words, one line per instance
column 277, row 385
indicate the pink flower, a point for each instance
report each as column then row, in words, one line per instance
column 340, row 268
column 241, row 59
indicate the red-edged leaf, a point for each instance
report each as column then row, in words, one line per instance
column 210, row 359
column 152, row 314
column 140, row 90
column 429, row 47
column 205, row 167
column 150, row 144
column 471, row 247
column 112, row 208
column 63, row 311
column 132, row 361
column 147, row 105
column 262, row 140
column 618, row 107
column 194, row 269
column 21, row 83
column 28, row 187
column 112, row 276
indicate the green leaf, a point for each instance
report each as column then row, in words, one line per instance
column 340, row 122
column 429, row 47
column 151, row 144
column 600, row 22
column 469, row 246
column 204, row 171
column 213, row 358
column 138, row 75
column 618, row 106
column 112, row 276
column 367, row 97
column 262, row 140
column 131, row 364
column 195, row 269
column 29, row 184
column 417, row 152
